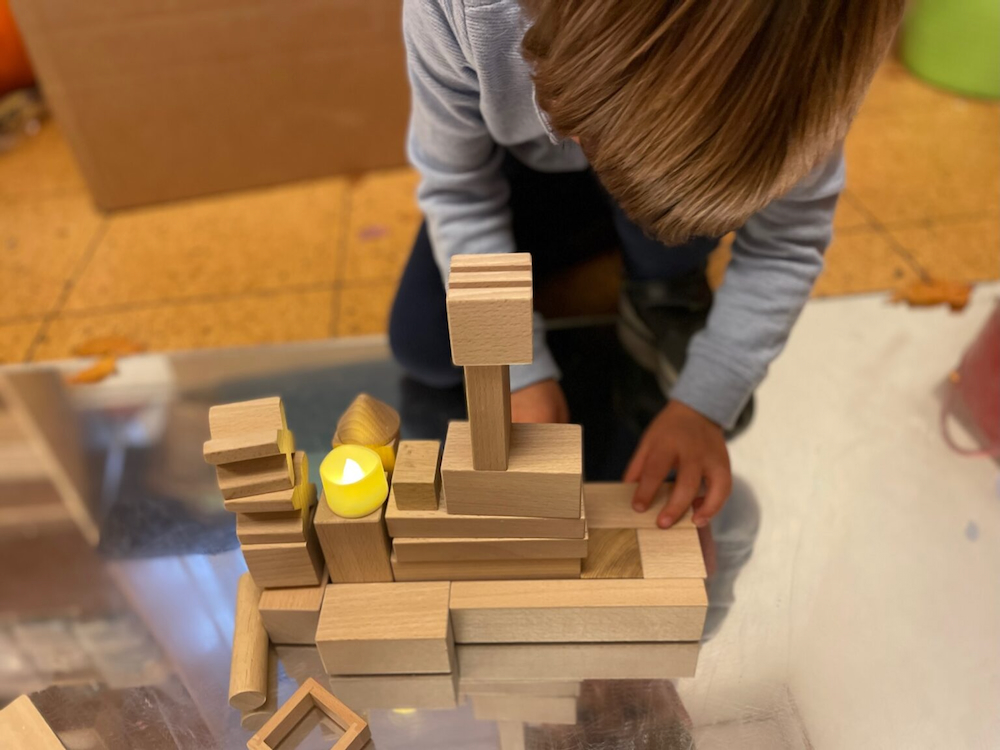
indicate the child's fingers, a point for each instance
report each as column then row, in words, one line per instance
column 634, row 470
column 720, row 484
column 654, row 471
column 685, row 489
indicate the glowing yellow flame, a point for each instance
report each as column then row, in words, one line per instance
column 352, row 472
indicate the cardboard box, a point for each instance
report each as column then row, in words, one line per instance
column 168, row 99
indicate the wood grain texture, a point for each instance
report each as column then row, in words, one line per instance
column 671, row 553
column 490, row 279
column 256, row 476
column 312, row 695
column 530, row 709
column 490, row 326
column 486, row 570
column 487, row 395
column 582, row 611
column 242, row 417
column 291, row 615
column 367, row 421
column 302, row 493
column 472, row 262
column 287, row 564
column 389, row 692
column 543, row 477
column 416, row 480
column 578, row 661
column 609, row 506
column 249, row 445
column 386, row 628
column 441, row 523
column 248, row 670
column 445, row 550
column 273, row 528
column 253, row 719
column 356, row 550
column 23, row 728
column 612, row 553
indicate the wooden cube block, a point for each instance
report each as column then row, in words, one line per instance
column 256, row 476
column 671, row 553
column 582, row 611
column 486, row 570
column 290, row 615
column 287, row 564
column 386, row 628
column 416, row 480
column 445, row 550
column 609, row 506
column 273, row 528
column 299, row 496
column 543, row 477
column 487, row 394
column 356, row 549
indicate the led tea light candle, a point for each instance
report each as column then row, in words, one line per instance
column 353, row 480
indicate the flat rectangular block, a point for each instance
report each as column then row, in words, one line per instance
column 441, row 523
column 22, row 727
column 486, row 570
column 583, row 611
column 421, row 691
column 444, row 550
column 356, row 549
column 671, row 553
column 480, row 262
column 386, row 628
column 286, row 565
column 249, row 445
column 566, row 688
column 302, row 494
column 530, row 709
column 609, row 506
column 487, row 394
column 258, row 415
column 494, row 278
column 416, row 480
column 290, row 616
column 256, row 476
column 543, row 477
column 273, row 528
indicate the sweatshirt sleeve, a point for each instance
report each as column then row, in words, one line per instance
column 463, row 192
column 776, row 258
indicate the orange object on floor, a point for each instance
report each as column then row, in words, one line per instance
column 15, row 68
column 928, row 292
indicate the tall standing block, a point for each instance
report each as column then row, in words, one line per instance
column 356, row 549
column 487, row 393
column 416, row 480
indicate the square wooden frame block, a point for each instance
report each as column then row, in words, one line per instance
column 312, row 695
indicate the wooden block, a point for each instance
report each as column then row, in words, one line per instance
column 671, row 553
column 356, row 549
column 486, row 570
column 543, row 476
column 309, row 696
column 583, row 611
column 416, row 479
column 441, row 523
column 256, row 476
column 23, row 728
column 253, row 719
column 248, row 446
column 445, row 550
column 369, row 422
column 248, row 670
column 609, row 506
column 491, row 261
column 273, row 528
column 511, row 735
column 286, row 565
column 578, row 661
column 490, row 279
column 530, row 709
column 291, row 615
column 567, row 688
column 235, row 420
column 392, row 692
column 612, row 553
column 302, row 494
column 386, row 628
column 487, row 394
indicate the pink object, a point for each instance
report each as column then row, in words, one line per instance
column 973, row 391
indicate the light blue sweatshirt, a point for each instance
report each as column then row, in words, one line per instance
column 473, row 98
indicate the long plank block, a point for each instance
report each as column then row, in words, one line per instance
column 416, row 479
column 487, row 395
column 272, row 528
column 256, row 476
column 249, row 445
column 440, row 523
column 286, row 565
column 478, row 262
column 291, row 615
column 578, row 661
column 301, row 494
column 445, row 550
column 671, row 553
column 609, row 506
column 543, row 477
column 421, row 691
column 23, row 728
column 356, row 549
column 486, row 570
column 582, row 611
column 386, row 628
column 493, row 278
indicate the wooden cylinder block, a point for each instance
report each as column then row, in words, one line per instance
column 248, row 673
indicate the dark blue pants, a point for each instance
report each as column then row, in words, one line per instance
column 561, row 219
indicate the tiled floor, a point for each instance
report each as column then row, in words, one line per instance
column 321, row 258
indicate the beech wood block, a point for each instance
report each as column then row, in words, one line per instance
column 613, row 553
column 511, row 735
column 386, row 628
column 486, row 570
column 609, row 506
column 671, row 553
column 290, row 615
column 582, row 611
column 256, row 476
column 578, row 661
column 487, row 394
column 300, row 495
column 490, row 279
column 243, row 417
column 543, row 477
column 356, row 549
column 566, row 688
column 441, row 523
column 287, row 564
column 23, row 728
column 256, row 718
column 416, row 480
column 421, row 691
column 248, row 670
column 249, row 445
column 530, row 709
column 445, row 550
column 309, row 696
column 273, row 528
column 491, row 262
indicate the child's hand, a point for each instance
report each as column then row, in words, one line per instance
column 539, row 402
column 681, row 438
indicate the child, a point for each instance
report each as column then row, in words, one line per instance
column 698, row 118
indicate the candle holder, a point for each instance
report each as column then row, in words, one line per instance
column 354, row 481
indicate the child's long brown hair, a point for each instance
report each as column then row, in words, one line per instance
column 697, row 113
